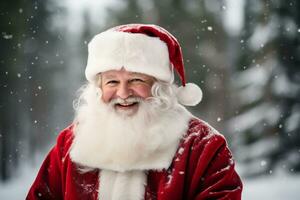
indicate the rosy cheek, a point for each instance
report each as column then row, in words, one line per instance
column 144, row 91
column 107, row 95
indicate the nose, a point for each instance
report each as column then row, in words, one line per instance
column 124, row 91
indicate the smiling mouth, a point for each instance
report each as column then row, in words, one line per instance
column 126, row 105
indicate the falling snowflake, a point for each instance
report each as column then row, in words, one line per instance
column 7, row 36
column 263, row 163
column 209, row 28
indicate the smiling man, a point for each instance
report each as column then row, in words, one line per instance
column 132, row 138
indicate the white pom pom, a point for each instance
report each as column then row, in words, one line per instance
column 190, row 95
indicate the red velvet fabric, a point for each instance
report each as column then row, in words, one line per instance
column 202, row 169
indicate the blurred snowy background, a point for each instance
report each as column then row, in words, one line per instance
column 245, row 54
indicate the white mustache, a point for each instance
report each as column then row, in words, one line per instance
column 129, row 100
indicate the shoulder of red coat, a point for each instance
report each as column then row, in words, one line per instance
column 200, row 130
column 65, row 138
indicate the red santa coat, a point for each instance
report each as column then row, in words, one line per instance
column 202, row 168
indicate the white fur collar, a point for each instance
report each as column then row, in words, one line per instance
column 122, row 185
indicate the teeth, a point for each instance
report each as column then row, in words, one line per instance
column 126, row 104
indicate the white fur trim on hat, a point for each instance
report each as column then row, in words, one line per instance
column 112, row 50
column 189, row 95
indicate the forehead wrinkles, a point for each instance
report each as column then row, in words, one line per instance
column 144, row 76
column 107, row 76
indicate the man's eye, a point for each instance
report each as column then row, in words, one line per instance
column 137, row 80
column 111, row 82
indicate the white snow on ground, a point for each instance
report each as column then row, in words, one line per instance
column 18, row 186
column 276, row 187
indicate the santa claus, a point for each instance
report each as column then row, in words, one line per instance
column 132, row 138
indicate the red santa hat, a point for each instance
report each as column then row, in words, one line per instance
column 142, row 48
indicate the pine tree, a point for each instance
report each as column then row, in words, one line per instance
column 266, row 87
column 25, row 44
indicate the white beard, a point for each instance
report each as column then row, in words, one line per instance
column 106, row 140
